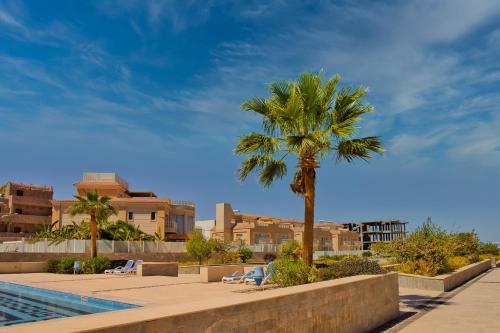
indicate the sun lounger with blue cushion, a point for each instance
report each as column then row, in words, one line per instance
column 236, row 276
column 120, row 269
column 133, row 270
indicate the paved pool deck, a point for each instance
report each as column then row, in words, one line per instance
column 144, row 291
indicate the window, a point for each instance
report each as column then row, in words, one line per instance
column 19, row 193
column 17, row 230
column 153, row 216
column 19, row 211
column 130, row 216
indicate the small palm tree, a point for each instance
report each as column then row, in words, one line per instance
column 310, row 120
column 98, row 208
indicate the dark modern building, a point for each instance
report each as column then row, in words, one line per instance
column 378, row 231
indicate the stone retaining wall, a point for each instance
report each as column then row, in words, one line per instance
column 153, row 257
column 157, row 268
column 349, row 305
column 23, row 267
column 445, row 282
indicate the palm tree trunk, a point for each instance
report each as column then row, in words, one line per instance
column 308, row 175
column 93, row 236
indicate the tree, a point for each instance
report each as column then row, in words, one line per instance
column 309, row 120
column 245, row 253
column 198, row 247
column 98, row 208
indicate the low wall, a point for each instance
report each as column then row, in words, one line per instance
column 151, row 257
column 215, row 273
column 23, row 267
column 445, row 282
column 157, row 268
column 195, row 269
column 350, row 305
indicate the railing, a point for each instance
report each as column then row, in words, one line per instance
column 29, row 219
column 183, row 203
column 31, row 201
column 83, row 246
column 318, row 254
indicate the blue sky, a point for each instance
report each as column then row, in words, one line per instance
column 152, row 89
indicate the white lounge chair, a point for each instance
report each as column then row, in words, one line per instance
column 120, row 269
column 133, row 269
column 236, row 276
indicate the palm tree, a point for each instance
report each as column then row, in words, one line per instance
column 309, row 119
column 98, row 208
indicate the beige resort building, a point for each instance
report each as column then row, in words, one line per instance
column 172, row 220
column 249, row 229
column 24, row 208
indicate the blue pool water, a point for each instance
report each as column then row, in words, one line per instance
column 22, row 304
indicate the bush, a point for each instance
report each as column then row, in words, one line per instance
column 96, row 265
column 230, row 257
column 52, row 266
column 457, row 262
column 287, row 273
column 291, row 250
column 66, row 265
column 198, row 247
column 465, row 244
column 268, row 257
column 489, row 248
column 245, row 254
column 348, row 267
column 367, row 254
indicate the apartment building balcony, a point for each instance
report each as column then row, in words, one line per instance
column 170, row 227
column 182, row 203
column 27, row 219
column 31, row 201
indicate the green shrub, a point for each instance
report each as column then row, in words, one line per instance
column 348, row 267
column 66, row 265
column 230, row 257
column 52, row 266
column 367, row 254
column 287, row 273
column 489, row 248
column 457, row 262
column 465, row 244
column 245, row 254
column 268, row 257
column 96, row 265
column 291, row 250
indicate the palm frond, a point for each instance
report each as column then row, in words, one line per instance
column 274, row 169
column 252, row 163
column 256, row 142
column 350, row 150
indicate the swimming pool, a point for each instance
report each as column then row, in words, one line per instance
column 23, row 304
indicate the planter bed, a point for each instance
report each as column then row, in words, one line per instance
column 445, row 282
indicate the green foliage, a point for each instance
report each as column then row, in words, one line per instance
column 349, row 266
column 290, row 250
column 119, row 231
column 52, row 266
column 489, row 248
column 230, row 257
column 245, row 254
column 367, row 254
column 457, row 262
column 66, row 265
column 465, row 244
column 96, row 265
column 93, row 204
column 310, row 119
column 198, row 247
column 287, row 273
column 427, row 250
column 268, row 257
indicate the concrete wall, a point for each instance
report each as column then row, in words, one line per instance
column 215, row 273
column 23, row 267
column 189, row 269
column 155, row 257
column 157, row 268
column 349, row 305
column 444, row 282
